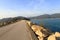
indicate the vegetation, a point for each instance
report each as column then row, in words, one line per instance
column 7, row 21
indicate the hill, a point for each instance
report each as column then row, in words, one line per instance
column 6, row 21
column 57, row 15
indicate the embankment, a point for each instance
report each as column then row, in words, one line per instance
column 43, row 33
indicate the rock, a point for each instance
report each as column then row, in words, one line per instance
column 39, row 33
column 40, row 38
column 29, row 23
column 40, row 30
column 43, row 33
column 57, row 34
column 51, row 37
column 36, row 27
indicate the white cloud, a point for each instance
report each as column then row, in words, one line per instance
column 36, row 4
column 13, row 13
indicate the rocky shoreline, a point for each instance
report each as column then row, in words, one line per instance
column 43, row 33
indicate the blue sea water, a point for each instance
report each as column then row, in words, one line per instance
column 51, row 24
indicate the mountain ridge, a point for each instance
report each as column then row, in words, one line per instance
column 57, row 15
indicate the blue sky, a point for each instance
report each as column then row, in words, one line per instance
column 27, row 8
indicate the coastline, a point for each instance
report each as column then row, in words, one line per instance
column 42, row 33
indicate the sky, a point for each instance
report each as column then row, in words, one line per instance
column 28, row 8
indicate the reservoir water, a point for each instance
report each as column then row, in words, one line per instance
column 52, row 24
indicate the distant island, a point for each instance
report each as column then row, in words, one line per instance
column 56, row 15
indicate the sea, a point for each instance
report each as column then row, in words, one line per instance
column 52, row 24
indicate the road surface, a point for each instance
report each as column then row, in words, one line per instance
column 16, row 31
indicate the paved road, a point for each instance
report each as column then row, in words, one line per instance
column 16, row 31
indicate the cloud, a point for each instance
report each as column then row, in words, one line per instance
column 31, row 8
column 4, row 13
column 12, row 13
column 35, row 4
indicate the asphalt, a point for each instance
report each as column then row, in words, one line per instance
column 17, row 31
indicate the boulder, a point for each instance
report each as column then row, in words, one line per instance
column 51, row 37
column 40, row 38
column 57, row 34
column 29, row 23
column 36, row 27
column 39, row 33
